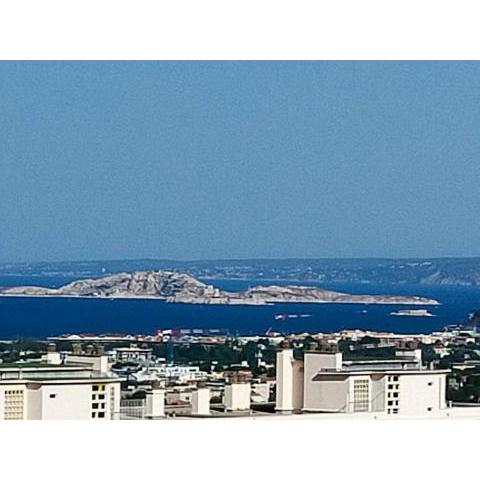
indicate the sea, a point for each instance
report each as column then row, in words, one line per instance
column 42, row 317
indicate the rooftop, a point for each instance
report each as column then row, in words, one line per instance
column 40, row 371
column 26, row 366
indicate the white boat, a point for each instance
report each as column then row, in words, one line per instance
column 288, row 316
column 417, row 312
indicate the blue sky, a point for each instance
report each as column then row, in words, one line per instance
column 195, row 160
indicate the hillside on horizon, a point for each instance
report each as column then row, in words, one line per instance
column 425, row 271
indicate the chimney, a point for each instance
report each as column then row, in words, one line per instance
column 284, row 383
column 155, row 402
column 201, row 401
column 237, row 397
column 99, row 350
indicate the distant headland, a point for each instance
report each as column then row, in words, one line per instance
column 175, row 287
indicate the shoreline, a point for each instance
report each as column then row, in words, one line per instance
column 239, row 303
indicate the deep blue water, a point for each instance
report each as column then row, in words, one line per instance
column 40, row 317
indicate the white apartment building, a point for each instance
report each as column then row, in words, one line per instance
column 135, row 354
column 181, row 373
column 325, row 382
column 57, row 392
column 178, row 373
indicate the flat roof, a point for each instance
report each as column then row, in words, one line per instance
column 41, row 366
column 132, row 349
column 374, row 361
column 60, row 381
column 347, row 373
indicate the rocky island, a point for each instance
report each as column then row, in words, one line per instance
column 171, row 286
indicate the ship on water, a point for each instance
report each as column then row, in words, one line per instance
column 417, row 312
column 282, row 317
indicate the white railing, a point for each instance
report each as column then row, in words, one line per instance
column 132, row 409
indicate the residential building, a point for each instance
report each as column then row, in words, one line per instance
column 57, row 392
column 132, row 353
column 325, row 382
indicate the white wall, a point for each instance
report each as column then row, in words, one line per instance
column 420, row 392
column 34, row 403
column 99, row 363
column 71, row 402
column 319, row 361
column 54, row 358
column 378, row 392
column 155, row 403
column 329, row 394
column 237, row 396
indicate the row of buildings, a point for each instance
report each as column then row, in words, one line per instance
column 82, row 387
column 128, row 383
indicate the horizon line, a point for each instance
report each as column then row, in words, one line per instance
column 245, row 259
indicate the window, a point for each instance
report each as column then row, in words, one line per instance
column 429, row 409
column 52, row 395
column 395, row 378
column 395, row 394
column 98, row 401
column 361, row 395
column 395, row 410
column 390, row 403
column 13, row 405
column 430, row 384
column 112, row 402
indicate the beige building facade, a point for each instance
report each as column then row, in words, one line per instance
column 325, row 382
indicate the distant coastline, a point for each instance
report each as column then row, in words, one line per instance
column 246, row 302
column 460, row 271
column 174, row 287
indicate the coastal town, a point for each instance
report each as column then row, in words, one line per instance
column 239, row 239
column 210, row 373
